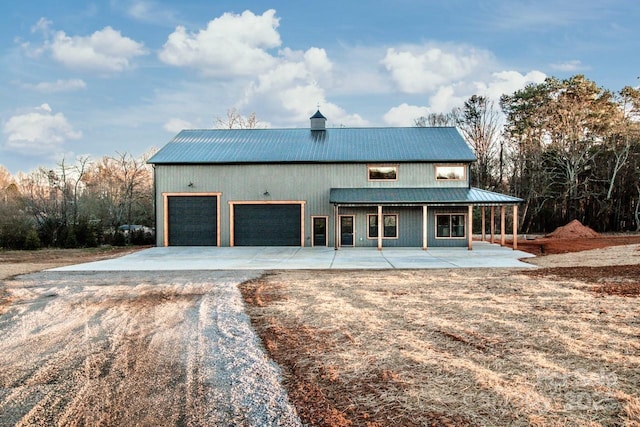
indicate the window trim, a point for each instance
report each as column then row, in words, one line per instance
column 464, row 167
column 451, row 214
column 369, row 237
column 382, row 165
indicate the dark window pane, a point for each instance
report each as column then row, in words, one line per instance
column 390, row 226
column 443, row 229
column 373, row 226
column 457, row 226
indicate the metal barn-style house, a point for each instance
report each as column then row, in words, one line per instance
column 319, row 186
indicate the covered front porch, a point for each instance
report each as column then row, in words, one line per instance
column 425, row 217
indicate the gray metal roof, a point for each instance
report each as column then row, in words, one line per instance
column 444, row 196
column 442, row 144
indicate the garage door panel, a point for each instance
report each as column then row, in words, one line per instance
column 267, row 225
column 193, row 220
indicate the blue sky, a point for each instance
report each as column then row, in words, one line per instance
column 99, row 77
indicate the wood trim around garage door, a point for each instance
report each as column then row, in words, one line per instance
column 165, row 208
column 263, row 202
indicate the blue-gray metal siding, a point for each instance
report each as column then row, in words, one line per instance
column 312, row 184
column 288, row 182
column 409, row 226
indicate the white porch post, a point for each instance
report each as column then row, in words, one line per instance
column 470, row 228
column 515, row 227
column 380, row 227
column 424, row 227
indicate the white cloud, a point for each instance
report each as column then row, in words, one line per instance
column 38, row 131
column 57, row 86
column 174, row 125
column 291, row 89
column 447, row 97
column 422, row 69
column 149, row 11
column 507, row 82
column 405, row 114
column 106, row 50
column 282, row 86
column 43, row 26
column 569, row 66
column 231, row 45
column 317, row 62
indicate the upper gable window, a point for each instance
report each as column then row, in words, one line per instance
column 451, row 172
column 383, row 172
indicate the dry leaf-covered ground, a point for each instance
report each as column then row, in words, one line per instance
column 20, row 262
column 559, row 345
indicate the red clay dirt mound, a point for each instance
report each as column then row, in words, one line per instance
column 573, row 230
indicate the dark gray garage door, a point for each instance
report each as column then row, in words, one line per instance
column 267, row 225
column 193, row 220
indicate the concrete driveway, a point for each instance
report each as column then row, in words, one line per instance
column 483, row 255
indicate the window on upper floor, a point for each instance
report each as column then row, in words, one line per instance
column 382, row 172
column 451, row 172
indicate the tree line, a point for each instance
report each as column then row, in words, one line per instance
column 568, row 148
column 79, row 204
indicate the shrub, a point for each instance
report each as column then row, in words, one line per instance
column 13, row 233
column 31, row 240
column 119, row 239
column 85, row 234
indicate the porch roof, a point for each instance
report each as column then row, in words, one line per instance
column 419, row 196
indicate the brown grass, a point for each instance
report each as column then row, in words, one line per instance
column 453, row 347
column 21, row 262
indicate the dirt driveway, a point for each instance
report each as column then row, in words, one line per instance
column 134, row 349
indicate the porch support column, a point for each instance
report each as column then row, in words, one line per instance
column 515, row 227
column 502, row 224
column 470, row 228
column 336, row 227
column 380, row 227
column 483, row 223
column 424, row 227
column 493, row 224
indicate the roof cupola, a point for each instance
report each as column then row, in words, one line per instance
column 318, row 121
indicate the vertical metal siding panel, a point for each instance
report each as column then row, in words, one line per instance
column 409, row 227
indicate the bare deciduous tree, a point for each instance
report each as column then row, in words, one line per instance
column 479, row 123
column 435, row 120
column 235, row 120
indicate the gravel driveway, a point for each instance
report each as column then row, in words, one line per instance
column 135, row 348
